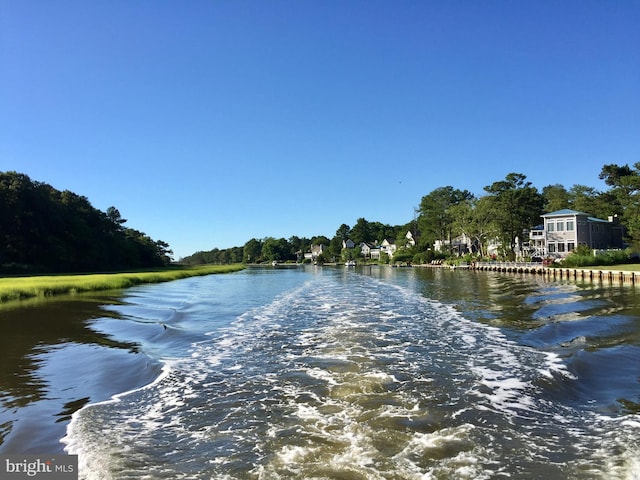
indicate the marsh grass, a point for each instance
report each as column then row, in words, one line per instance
column 18, row 288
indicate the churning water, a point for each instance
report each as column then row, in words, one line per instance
column 370, row 374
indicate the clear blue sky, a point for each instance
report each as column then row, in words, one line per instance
column 207, row 123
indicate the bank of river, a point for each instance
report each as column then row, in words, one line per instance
column 19, row 288
column 334, row 372
column 613, row 274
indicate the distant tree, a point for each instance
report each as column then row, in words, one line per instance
column 623, row 177
column 584, row 199
column 295, row 242
column 343, row 232
column 276, row 249
column 516, row 206
column 362, row 232
column 320, row 240
column 252, row 251
column 381, row 231
column 556, row 198
column 163, row 250
column 46, row 230
column 350, row 253
column 436, row 218
column 624, row 196
column 113, row 214
column 335, row 247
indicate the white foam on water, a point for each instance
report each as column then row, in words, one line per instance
column 332, row 380
column 79, row 437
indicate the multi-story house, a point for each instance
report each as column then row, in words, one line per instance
column 564, row 230
column 316, row 251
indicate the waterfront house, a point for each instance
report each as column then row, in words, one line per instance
column 348, row 243
column 409, row 240
column 564, row 230
column 316, row 250
column 459, row 245
column 388, row 247
column 370, row 251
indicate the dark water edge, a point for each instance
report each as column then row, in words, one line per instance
column 53, row 364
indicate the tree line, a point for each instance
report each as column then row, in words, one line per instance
column 46, row 230
column 292, row 249
column 507, row 208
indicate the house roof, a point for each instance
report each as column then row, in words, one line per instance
column 564, row 212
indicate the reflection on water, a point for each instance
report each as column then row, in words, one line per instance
column 52, row 365
column 369, row 373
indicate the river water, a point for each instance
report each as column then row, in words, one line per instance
column 330, row 373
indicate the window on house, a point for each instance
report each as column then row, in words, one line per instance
column 551, row 248
column 571, row 246
column 551, row 227
column 569, row 225
column 560, row 227
column 561, row 248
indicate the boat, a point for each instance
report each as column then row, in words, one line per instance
column 350, row 263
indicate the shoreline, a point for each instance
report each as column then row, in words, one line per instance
column 586, row 274
column 13, row 289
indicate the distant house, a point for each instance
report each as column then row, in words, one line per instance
column 564, row 230
column 348, row 243
column 369, row 251
column 459, row 245
column 316, row 251
column 388, row 247
column 409, row 240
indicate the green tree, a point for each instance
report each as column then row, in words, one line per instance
column 320, row 240
column 624, row 196
column 474, row 218
column 556, row 198
column 343, row 232
column 252, row 251
column 46, row 230
column 584, row 199
column 113, row 214
column 362, row 232
column 435, row 218
column 335, row 247
column 516, row 206
column 276, row 249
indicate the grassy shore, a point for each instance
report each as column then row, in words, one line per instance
column 628, row 267
column 18, row 288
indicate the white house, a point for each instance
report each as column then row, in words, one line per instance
column 460, row 244
column 409, row 240
column 388, row 247
column 316, row 250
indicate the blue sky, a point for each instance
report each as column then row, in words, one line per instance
column 207, row 123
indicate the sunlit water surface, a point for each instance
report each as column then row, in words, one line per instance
column 367, row 373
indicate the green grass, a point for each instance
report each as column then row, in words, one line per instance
column 627, row 267
column 18, row 288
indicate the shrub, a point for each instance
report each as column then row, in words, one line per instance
column 578, row 258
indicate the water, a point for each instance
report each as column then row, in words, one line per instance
column 332, row 373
